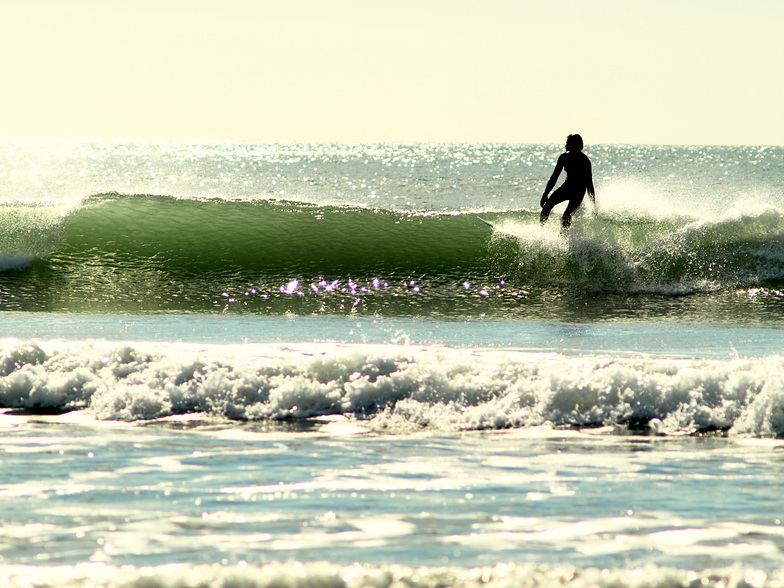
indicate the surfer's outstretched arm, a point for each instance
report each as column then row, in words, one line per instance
column 553, row 179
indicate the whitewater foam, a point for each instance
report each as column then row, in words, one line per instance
column 325, row 575
column 397, row 388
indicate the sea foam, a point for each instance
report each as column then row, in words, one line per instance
column 396, row 388
column 325, row 575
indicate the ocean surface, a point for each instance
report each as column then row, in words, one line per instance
column 368, row 365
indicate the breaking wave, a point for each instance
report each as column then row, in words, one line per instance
column 153, row 253
column 397, row 388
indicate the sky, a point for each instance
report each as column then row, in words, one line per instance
column 510, row 71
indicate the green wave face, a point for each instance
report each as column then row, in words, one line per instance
column 118, row 253
column 215, row 236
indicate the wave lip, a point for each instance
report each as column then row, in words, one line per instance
column 397, row 388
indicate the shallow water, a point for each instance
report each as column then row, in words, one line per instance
column 205, row 491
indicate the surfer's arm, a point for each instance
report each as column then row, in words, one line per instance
column 591, row 189
column 553, row 179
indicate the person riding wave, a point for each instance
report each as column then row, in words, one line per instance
column 578, row 179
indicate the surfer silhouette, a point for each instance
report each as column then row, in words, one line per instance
column 578, row 180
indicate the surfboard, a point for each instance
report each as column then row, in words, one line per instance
column 488, row 223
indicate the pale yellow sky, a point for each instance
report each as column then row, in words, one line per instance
column 517, row 71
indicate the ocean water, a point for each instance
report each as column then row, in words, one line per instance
column 318, row 365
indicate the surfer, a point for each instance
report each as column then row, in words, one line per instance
column 578, row 180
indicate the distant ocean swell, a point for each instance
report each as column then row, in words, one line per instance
column 122, row 252
column 396, row 388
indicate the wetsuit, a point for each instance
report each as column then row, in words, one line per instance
column 578, row 179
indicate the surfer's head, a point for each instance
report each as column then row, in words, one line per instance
column 574, row 143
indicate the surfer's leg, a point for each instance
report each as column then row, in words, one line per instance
column 566, row 219
column 556, row 198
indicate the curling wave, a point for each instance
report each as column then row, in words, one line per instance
column 120, row 252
